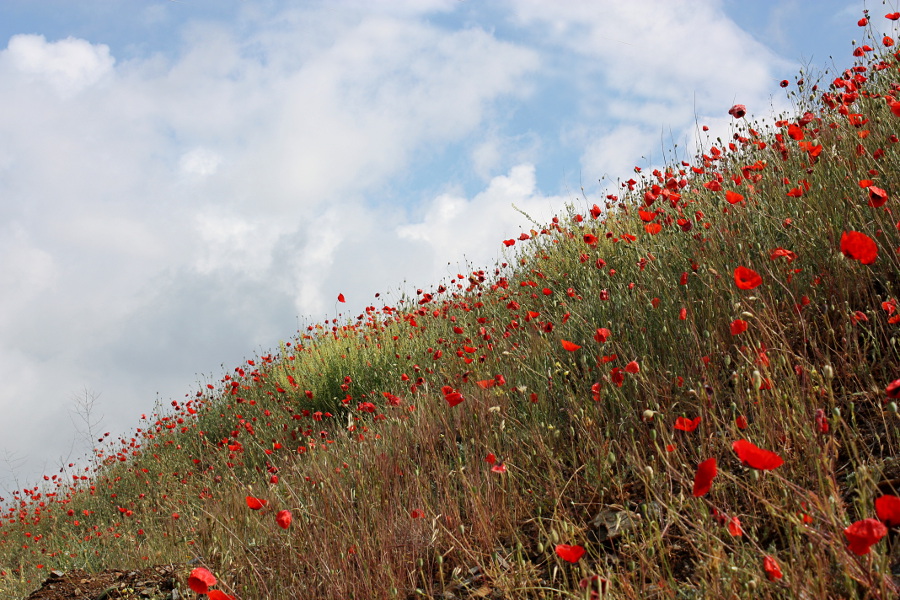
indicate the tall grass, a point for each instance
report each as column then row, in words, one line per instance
column 565, row 436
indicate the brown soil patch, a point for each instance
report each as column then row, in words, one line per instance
column 151, row 583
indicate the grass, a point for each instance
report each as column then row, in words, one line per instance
column 354, row 426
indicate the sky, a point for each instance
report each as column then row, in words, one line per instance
column 185, row 183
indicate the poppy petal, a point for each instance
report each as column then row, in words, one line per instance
column 756, row 457
column 569, row 553
column 706, row 471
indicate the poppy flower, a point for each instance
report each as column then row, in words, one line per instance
column 773, row 571
column 706, row 471
column 734, row 527
column 859, row 246
column 861, row 535
column 490, row 458
column 683, row 424
column 255, row 503
column 733, row 197
column 498, row 468
column 646, row 216
column 782, row 252
column 453, row 397
column 653, row 228
column 737, row 111
column 569, row 553
column 821, row 421
column 741, row 422
column 877, row 196
column 738, row 326
column 746, row 279
column 888, row 510
column 632, row 367
column 893, row 389
column 219, row 595
column 200, row 580
column 756, row 457
column 603, row 334
column 284, row 518
column 570, row 346
column 341, row 298
column 416, row 514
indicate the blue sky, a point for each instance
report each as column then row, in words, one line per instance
column 184, row 183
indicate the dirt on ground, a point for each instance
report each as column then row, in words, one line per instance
column 150, row 583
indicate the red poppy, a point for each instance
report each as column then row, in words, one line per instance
column 892, row 16
column 569, row 553
column 570, row 346
column 416, row 514
column 499, row 468
column 888, row 510
column 773, row 571
column 200, row 580
column 603, row 334
column 861, row 535
column 653, row 228
column 859, row 246
column 893, row 389
column 219, row 595
column 341, row 298
column 821, row 421
column 746, row 279
column 756, row 457
column 490, row 458
column 616, row 376
column 733, row 197
column 741, row 422
column 646, row 216
column 738, row 326
column 877, row 196
column 508, row 243
column 255, row 503
column 734, row 527
column 706, row 471
column 590, row 239
column 284, row 518
column 632, row 367
column 683, row 424
column 737, row 111
column 452, row 396
column 782, row 252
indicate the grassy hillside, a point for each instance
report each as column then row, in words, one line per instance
column 685, row 391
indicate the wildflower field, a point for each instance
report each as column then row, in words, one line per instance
column 685, row 389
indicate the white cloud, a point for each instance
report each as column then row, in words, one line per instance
column 69, row 65
column 455, row 228
column 200, row 161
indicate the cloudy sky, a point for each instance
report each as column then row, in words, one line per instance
column 184, row 183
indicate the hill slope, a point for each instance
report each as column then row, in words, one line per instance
column 686, row 391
